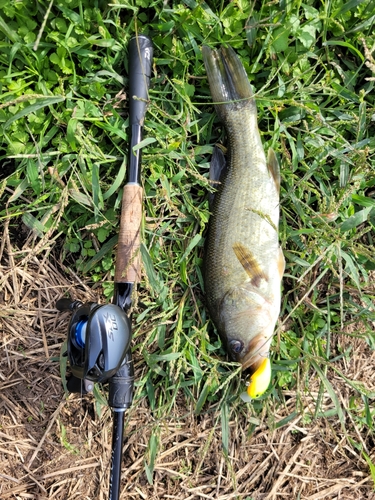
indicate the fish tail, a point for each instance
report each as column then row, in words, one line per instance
column 229, row 83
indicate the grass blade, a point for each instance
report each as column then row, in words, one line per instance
column 153, row 446
column 225, row 428
column 327, row 384
column 41, row 103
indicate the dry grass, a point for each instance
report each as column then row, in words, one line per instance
column 53, row 447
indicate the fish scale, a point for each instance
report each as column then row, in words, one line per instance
column 243, row 263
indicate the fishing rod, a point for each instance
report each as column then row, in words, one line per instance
column 99, row 336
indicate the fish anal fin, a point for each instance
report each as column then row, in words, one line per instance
column 250, row 264
column 274, row 168
column 218, row 168
column 218, row 164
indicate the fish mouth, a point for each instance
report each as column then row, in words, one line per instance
column 252, row 361
column 257, row 351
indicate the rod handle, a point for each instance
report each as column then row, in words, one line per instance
column 128, row 259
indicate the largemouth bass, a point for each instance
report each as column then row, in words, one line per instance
column 244, row 263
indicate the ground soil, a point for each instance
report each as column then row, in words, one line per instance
column 58, row 447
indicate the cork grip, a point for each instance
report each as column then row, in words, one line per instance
column 128, row 260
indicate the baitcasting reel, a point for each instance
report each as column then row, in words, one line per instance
column 98, row 349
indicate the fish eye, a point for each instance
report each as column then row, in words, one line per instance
column 236, row 346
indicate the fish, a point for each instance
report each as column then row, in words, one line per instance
column 243, row 260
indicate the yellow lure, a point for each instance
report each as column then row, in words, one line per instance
column 260, row 380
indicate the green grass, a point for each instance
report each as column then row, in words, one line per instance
column 63, row 113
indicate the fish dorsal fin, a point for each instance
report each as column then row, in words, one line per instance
column 274, row 167
column 250, row 264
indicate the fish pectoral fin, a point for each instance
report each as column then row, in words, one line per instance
column 250, row 264
column 281, row 263
column 274, row 168
column 218, row 168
